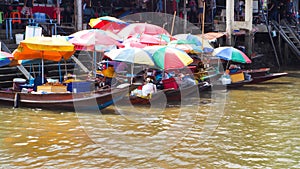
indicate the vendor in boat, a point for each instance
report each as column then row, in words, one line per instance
column 108, row 74
column 200, row 73
column 185, row 80
column 38, row 80
column 69, row 78
column 148, row 88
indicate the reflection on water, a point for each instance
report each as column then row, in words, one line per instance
column 259, row 129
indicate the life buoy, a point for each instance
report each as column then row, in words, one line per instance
column 17, row 100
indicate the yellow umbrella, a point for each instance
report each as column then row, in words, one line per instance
column 44, row 48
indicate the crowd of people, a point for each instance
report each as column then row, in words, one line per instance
column 280, row 9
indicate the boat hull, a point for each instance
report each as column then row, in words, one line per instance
column 169, row 95
column 63, row 101
column 267, row 77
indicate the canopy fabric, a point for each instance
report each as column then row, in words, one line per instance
column 185, row 45
column 199, row 41
column 213, row 35
column 108, row 23
column 131, row 55
column 142, row 28
column 48, row 48
column 94, row 40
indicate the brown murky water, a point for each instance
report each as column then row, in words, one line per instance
column 259, row 128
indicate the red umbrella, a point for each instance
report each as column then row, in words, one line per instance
column 108, row 23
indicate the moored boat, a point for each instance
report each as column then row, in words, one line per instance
column 63, row 101
column 170, row 95
column 263, row 74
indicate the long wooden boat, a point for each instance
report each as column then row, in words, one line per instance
column 64, row 101
column 263, row 74
column 170, row 95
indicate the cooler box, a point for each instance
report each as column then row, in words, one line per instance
column 170, row 83
column 78, row 87
column 54, row 89
column 17, row 82
column 237, row 77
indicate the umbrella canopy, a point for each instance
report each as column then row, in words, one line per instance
column 131, row 55
column 94, row 39
column 48, row 48
column 133, row 42
column 231, row 53
column 153, row 39
column 195, row 39
column 108, row 23
column 143, row 40
column 185, row 45
column 142, row 28
column 166, row 57
column 5, row 58
column 212, row 35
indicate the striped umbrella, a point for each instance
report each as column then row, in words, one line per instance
column 166, row 57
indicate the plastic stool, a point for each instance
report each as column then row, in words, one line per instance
column 1, row 17
column 14, row 15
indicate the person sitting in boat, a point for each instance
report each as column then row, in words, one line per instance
column 38, row 80
column 109, row 74
column 69, row 78
column 185, row 81
column 200, row 73
column 233, row 68
column 148, row 88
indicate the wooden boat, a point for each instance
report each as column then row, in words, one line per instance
column 170, row 95
column 263, row 74
column 64, row 101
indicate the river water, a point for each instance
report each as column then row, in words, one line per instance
column 259, row 128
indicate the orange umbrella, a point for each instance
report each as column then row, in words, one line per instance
column 47, row 48
column 44, row 48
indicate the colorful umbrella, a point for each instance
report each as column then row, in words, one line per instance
column 203, row 43
column 166, row 57
column 131, row 55
column 133, row 42
column 94, row 39
column 5, row 58
column 231, row 53
column 185, row 45
column 142, row 28
column 153, row 39
column 108, row 23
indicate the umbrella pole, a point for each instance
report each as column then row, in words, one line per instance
column 66, row 70
column 203, row 25
column 43, row 69
column 94, row 58
column 173, row 23
column 131, row 76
